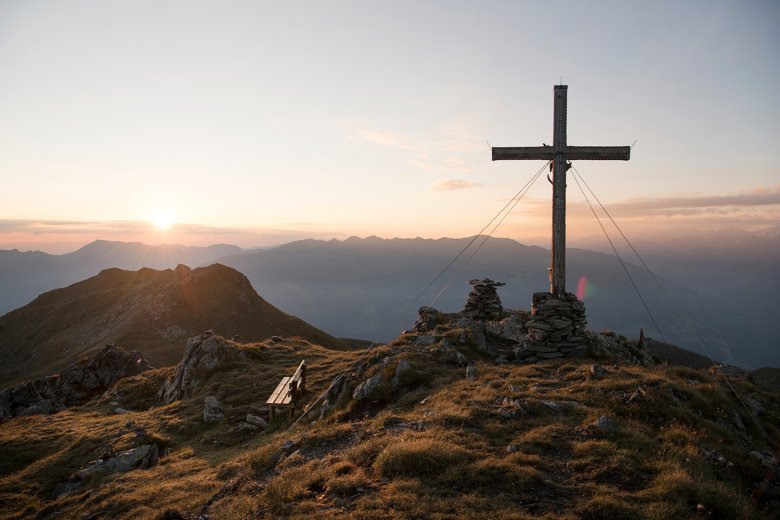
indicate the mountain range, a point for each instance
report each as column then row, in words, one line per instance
column 714, row 294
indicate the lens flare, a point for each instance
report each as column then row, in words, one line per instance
column 585, row 289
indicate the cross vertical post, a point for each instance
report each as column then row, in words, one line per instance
column 558, row 249
column 560, row 154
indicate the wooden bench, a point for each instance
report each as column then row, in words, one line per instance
column 289, row 391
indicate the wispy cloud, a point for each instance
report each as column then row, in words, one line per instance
column 389, row 139
column 447, row 164
column 455, row 184
column 692, row 205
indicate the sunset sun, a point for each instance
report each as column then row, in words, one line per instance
column 162, row 220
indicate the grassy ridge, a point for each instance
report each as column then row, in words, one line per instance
column 517, row 442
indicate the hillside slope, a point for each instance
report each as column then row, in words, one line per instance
column 403, row 434
column 146, row 310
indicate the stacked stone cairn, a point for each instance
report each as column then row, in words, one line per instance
column 556, row 328
column 483, row 302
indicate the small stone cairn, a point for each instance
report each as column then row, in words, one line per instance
column 556, row 328
column 483, row 302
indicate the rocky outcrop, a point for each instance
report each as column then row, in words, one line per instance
column 202, row 355
column 78, row 383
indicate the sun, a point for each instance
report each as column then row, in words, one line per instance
column 162, row 220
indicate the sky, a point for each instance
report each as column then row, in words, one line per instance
column 257, row 123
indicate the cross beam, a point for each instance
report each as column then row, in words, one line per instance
column 560, row 154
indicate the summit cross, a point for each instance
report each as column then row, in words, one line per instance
column 560, row 154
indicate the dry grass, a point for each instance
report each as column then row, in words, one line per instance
column 435, row 446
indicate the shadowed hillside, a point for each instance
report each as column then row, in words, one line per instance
column 146, row 310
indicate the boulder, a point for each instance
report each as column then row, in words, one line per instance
column 605, row 424
column 212, row 410
column 141, row 457
column 202, row 355
column 256, row 420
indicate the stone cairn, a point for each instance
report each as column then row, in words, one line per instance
column 483, row 302
column 556, row 328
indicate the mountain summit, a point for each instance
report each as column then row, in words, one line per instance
column 146, row 310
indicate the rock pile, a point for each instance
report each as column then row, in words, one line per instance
column 483, row 302
column 556, row 328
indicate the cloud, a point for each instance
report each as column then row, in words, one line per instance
column 455, row 184
column 387, row 139
column 757, row 199
column 449, row 164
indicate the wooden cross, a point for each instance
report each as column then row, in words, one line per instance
column 560, row 154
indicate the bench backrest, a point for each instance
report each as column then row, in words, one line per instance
column 298, row 380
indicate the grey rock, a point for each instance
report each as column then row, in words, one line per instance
column 755, row 407
column 597, row 371
column 256, row 421
column 77, row 383
column 461, row 358
column 560, row 406
column 605, row 424
column 402, row 368
column 765, row 458
column 365, row 388
column 471, row 372
column 425, row 341
column 201, row 356
column 141, row 457
column 212, row 410
column 80, row 381
column 119, row 410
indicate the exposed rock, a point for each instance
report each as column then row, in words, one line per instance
column 605, row 424
column 365, row 388
column 617, row 349
column 141, row 457
column 257, row 421
column 765, row 458
column 511, row 327
column 428, row 319
column 212, row 410
column 560, row 406
column 461, row 358
column 471, row 372
column 80, row 381
column 76, row 384
column 202, row 355
column 755, row 407
column 401, row 369
column 597, row 371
